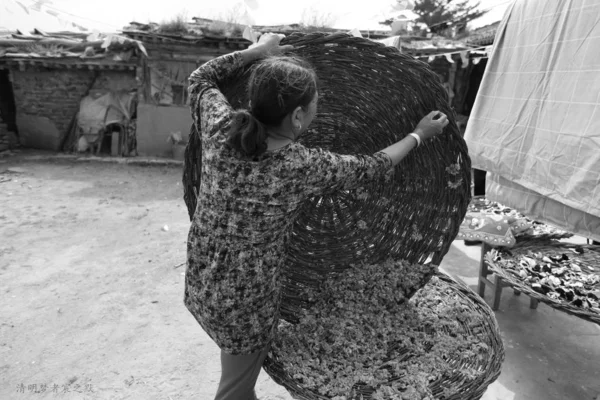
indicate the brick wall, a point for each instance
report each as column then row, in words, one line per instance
column 48, row 99
column 51, row 94
column 115, row 81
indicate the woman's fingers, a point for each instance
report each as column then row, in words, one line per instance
column 443, row 122
column 281, row 49
column 437, row 119
column 269, row 36
column 270, row 43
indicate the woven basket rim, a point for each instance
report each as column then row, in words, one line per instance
column 493, row 367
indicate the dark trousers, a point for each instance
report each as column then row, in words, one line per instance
column 239, row 375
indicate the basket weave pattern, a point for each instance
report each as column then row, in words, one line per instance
column 370, row 97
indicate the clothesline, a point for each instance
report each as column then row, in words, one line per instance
column 487, row 50
column 396, row 41
column 464, row 55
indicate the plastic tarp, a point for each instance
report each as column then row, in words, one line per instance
column 95, row 113
column 535, row 125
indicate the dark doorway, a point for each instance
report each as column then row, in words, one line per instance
column 8, row 109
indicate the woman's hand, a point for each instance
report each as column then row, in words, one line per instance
column 431, row 125
column 268, row 45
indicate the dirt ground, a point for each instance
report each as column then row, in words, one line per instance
column 91, row 281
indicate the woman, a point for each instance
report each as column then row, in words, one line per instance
column 255, row 177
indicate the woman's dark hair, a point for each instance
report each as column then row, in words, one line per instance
column 276, row 87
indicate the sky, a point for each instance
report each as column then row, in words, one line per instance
column 112, row 15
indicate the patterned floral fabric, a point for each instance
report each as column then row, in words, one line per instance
column 245, row 210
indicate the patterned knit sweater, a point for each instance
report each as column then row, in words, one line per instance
column 245, row 211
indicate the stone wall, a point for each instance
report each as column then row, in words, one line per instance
column 48, row 99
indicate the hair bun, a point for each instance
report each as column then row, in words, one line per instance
column 242, row 116
column 247, row 134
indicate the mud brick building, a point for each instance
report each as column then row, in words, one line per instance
column 43, row 80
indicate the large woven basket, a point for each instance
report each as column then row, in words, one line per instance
column 588, row 260
column 480, row 323
column 370, row 97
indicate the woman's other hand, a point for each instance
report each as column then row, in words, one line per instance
column 431, row 125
